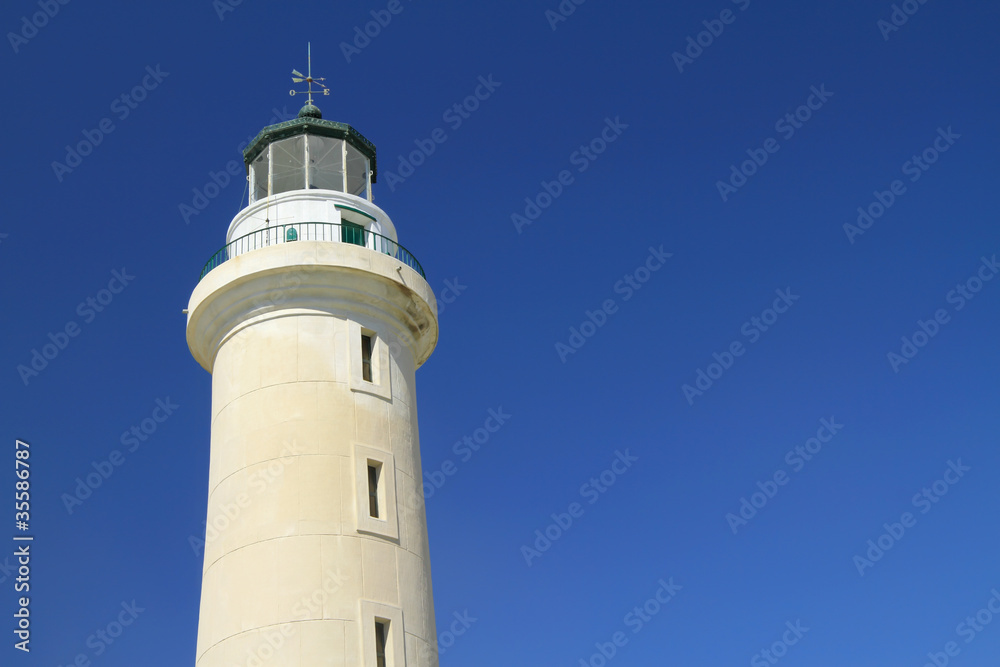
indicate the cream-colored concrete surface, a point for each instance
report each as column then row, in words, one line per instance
column 286, row 568
column 312, row 277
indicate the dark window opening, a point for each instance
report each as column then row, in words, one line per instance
column 381, row 633
column 373, row 491
column 366, row 358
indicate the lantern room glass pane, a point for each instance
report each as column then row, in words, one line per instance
column 326, row 163
column 259, row 169
column 357, row 172
column 288, row 165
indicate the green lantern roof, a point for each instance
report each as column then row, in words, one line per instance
column 310, row 121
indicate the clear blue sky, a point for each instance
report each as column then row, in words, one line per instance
column 771, row 238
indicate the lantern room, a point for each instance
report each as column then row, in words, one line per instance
column 310, row 179
column 309, row 153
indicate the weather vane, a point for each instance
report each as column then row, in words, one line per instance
column 298, row 77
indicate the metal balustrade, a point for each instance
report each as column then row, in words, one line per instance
column 313, row 231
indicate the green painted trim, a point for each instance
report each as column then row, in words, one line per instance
column 317, row 126
column 349, row 208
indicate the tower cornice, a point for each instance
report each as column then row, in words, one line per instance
column 340, row 279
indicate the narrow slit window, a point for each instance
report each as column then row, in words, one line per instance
column 375, row 505
column 373, row 474
column 381, row 635
column 366, row 358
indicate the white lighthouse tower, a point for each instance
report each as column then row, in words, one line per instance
column 312, row 321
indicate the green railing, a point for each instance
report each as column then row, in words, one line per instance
column 313, row 231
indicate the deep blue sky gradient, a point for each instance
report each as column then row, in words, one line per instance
column 825, row 358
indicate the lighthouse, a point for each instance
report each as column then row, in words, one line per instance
column 312, row 320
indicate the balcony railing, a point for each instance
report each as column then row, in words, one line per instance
column 313, row 231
